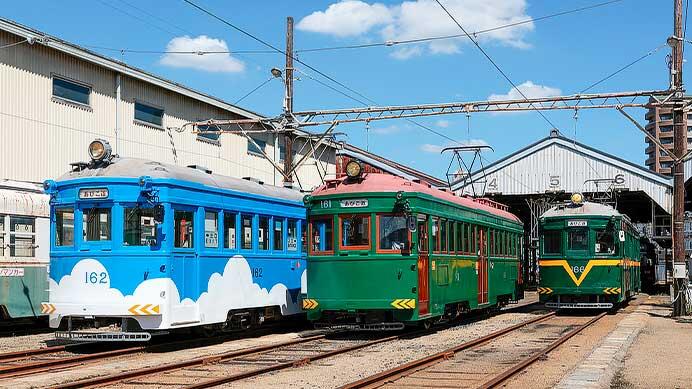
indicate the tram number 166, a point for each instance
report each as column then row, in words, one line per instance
column 578, row 269
column 95, row 278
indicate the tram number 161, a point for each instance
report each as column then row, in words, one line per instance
column 96, row 278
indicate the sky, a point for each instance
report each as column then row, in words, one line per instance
column 560, row 55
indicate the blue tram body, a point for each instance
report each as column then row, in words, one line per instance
column 165, row 247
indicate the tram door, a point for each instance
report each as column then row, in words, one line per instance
column 423, row 263
column 482, row 267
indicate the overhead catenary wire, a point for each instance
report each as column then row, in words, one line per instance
column 258, row 87
column 625, row 67
column 453, row 36
column 388, row 43
column 497, row 67
column 7, row 46
column 265, row 43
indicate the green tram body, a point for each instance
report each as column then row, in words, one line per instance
column 589, row 257
column 374, row 287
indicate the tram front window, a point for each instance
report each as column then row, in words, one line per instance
column 96, row 224
column 578, row 239
column 355, row 231
column 64, row 227
column 184, row 232
column 321, row 236
column 605, row 241
column 393, row 233
column 552, row 242
column 139, row 227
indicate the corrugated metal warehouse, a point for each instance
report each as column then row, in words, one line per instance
column 55, row 97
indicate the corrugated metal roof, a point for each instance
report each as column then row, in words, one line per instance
column 135, row 168
column 560, row 164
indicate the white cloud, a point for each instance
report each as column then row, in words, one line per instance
column 433, row 148
column 234, row 289
column 423, row 18
column 529, row 89
column 221, row 62
column 346, row 18
column 442, row 123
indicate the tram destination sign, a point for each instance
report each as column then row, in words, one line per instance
column 576, row 223
column 358, row 203
column 11, row 272
column 93, row 193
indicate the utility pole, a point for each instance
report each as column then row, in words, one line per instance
column 288, row 108
column 680, row 279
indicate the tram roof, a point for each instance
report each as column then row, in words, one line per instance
column 378, row 182
column 586, row 209
column 135, row 168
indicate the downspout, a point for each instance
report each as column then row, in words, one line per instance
column 118, row 103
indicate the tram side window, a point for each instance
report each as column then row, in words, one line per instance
column 64, row 227
column 229, row 237
column 605, row 241
column 2, row 235
column 393, row 233
column 278, row 234
column 139, row 226
column 22, row 236
column 552, row 242
column 355, row 231
column 263, row 233
column 578, row 239
column 321, row 236
column 184, row 229
column 96, row 224
column 246, row 237
column 460, row 238
column 303, row 236
column 435, row 234
column 443, row 236
column 292, row 235
column 211, row 229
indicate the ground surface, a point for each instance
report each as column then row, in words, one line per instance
column 661, row 357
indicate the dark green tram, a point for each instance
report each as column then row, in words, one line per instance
column 589, row 256
column 385, row 252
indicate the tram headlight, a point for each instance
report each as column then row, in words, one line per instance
column 577, row 198
column 100, row 149
column 354, row 169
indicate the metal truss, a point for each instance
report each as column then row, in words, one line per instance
column 638, row 99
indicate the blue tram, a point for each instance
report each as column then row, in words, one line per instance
column 163, row 247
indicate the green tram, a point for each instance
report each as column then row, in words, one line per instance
column 589, row 256
column 385, row 252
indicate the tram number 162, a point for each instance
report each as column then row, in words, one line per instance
column 96, row 278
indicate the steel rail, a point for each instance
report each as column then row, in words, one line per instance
column 115, row 378
column 37, row 367
column 14, row 355
column 405, row 369
column 507, row 374
column 286, row 365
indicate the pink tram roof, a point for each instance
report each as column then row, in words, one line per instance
column 377, row 182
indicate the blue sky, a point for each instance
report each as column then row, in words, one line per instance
column 559, row 55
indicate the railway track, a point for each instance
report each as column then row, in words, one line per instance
column 22, row 363
column 485, row 362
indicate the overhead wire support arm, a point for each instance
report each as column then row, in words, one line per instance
column 636, row 99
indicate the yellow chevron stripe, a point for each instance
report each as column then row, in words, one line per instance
column 543, row 290
column 310, row 304
column 404, row 303
column 565, row 265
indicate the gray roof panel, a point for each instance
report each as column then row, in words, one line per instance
column 135, row 168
